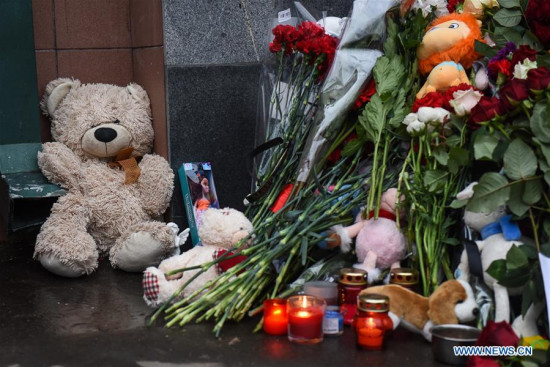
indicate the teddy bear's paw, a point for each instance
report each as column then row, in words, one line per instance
column 151, row 288
column 137, row 251
column 54, row 265
column 157, row 290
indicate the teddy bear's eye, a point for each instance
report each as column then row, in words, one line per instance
column 453, row 25
column 117, row 121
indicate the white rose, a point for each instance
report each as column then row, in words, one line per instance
column 413, row 125
column 464, row 100
column 434, row 116
column 521, row 68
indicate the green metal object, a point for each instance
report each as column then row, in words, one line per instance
column 19, row 114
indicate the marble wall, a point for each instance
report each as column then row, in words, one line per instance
column 214, row 50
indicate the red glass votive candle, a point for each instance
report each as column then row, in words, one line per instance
column 275, row 317
column 372, row 321
column 351, row 282
column 305, row 319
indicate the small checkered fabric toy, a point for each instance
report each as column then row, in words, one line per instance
column 220, row 231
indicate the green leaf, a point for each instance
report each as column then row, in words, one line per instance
column 516, row 259
column 435, row 180
column 515, row 203
column 484, row 146
column 529, row 251
column 529, row 295
column 547, row 177
column 519, row 160
column 545, row 150
column 531, row 40
column 441, row 155
column 543, row 60
column 453, row 141
column 352, row 147
column 373, row 118
column 491, row 192
column 458, row 157
column 545, row 248
column 508, row 34
column 451, row 241
column 516, row 278
column 540, row 121
column 303, row 250
column 507, row 17
column 484, row 49
column 497, row 269
column 457, row 204
column 509, row 3
column 533, row 192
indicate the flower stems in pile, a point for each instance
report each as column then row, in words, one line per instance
column 231, row 295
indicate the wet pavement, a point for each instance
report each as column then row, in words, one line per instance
column 99, row 320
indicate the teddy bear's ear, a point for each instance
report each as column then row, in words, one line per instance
column 56, row 90
column 441, row 304
column 138, row 93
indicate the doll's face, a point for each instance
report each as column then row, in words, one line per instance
column 204, row 184
column 442, row 37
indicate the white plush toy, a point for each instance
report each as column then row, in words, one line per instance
column 221, row 230
column 498, row 237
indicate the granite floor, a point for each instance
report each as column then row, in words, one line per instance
column 99, row 320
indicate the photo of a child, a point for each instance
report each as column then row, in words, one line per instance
column 201, row 186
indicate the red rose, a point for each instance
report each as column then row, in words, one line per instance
column 538, row 79
column 538, row 17
column 542, row 31
column 523, row 52
column 503, row 66
column 497, row 334
column 432, row 99
column 513, row 92
column 486, row 110
column 366, row 94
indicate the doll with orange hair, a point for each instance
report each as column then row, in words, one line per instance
column 446, row 50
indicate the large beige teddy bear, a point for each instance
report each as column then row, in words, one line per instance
column 117, row 190
column 220, row 232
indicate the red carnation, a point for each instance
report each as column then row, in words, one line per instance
column 336, row 155
column 523, row 52
column 538, row 79
column 366, row 94
column 432, row 99
column 513, row 92
column 486, row 110
column 503, row 66
column 285, row 37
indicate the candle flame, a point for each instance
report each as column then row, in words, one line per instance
column 303, row 314
column 304, row 302
column 370, row 323
column 278, row 311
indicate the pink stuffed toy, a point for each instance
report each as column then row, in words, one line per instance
column 379, row 243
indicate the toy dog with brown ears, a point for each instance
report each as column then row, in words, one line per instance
column 451, row 303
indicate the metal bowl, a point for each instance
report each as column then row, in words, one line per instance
column 445, row 337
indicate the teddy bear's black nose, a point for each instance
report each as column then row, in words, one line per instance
column 105, row 134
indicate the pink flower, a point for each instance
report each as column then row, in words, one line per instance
column 464, row 100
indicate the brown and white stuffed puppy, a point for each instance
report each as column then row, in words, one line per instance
column 452, row 302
